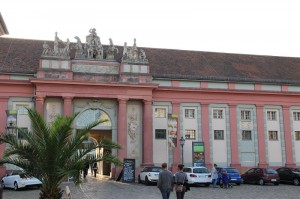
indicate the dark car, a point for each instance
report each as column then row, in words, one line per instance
column 289, row 175
column 261, row 176
column 233, row 175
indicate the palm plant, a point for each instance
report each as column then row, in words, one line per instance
column 53, row 152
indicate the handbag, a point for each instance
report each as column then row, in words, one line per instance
column 179, row 188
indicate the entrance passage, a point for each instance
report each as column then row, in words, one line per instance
column 104, row 168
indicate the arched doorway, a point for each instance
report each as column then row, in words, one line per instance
column 103, row 130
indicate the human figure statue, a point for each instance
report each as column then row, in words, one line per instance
column 111, row 50
column 93, row 45
column 142, row 55
column 93, row 32
column 56, row 42
column 79, row 48
column 46, row 48
column 134, row 51
column 66, row 49
column 125, row 52
column 78, row 44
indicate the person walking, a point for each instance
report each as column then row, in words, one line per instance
column 95, row 168
column 214, row 176
column 165, row 182
column 180, row 180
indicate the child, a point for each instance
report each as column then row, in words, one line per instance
column 225, row 179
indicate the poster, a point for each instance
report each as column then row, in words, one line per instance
column 198, row 154
column 11, row 118
column 172, row 130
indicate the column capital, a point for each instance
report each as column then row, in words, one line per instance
column 40, row 98
column 175, row 103
column 68, row 97
column 286, row 107
column 259, row 106
column 122, row 100
column 147, row 102
column 204, row 103
column 232, row 105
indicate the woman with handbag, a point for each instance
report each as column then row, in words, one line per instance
column 180, row 179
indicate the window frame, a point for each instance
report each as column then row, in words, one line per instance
column 297, row 135
column 245, row 138
column 245, row 116
column 156, row 132
column 191, row 131
column 272, row 115
column 218, row 114
column 21, row 108
column 189, row 113
column 158, row 114
column 296, row 115
column 273, row 135
column 221, row 137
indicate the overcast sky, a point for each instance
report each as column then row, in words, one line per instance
column 261, row 27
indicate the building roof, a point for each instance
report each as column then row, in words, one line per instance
column 3, row 29
column 22, row 56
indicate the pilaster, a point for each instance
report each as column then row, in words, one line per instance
column 147, row 134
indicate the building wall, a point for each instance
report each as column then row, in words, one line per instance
column 175, row 97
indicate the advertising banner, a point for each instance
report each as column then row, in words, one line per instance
column 172, row 130
column 198, row 154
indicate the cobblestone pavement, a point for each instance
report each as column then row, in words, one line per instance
column 104, row 188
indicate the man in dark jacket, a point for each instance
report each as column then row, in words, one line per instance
column 165, row 181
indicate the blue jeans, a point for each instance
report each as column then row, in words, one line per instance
column 165, row 193
column 214, row 182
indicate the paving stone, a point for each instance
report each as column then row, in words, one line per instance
column 105, row 188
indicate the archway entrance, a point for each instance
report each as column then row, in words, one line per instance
column 103, row 130
column 104, row 167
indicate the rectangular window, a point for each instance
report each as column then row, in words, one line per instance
column 160, row 133
column 246, row 135
column 297, row 135
column 219, row 134
column 218, row 114
column 245, row 115
column 271, row 115
column 21, row 108
column 190, row 134
column 273, row 135
column 160, row 113
column 189, row 113
column 296, row 116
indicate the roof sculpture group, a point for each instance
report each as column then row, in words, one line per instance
column 92, row 49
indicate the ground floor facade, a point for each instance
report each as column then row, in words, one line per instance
column 238, row 128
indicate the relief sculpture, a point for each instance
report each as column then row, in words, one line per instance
column 133, row 132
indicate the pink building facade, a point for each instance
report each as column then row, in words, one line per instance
column 245, row 108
